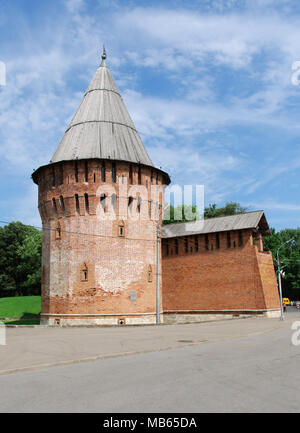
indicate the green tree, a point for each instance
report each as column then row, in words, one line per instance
column 230, row 208
column 289, row 256
column 180, row 214
column 30, row 253
column 13, row 272
column 183, row 213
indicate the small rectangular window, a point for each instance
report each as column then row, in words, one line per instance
column 62, row 205
column 196, row 244
column 86, row 199
column 86, row 171
column 240, row 239
column 130, row 175
column 113, row 172
column 103, row 174
column 76, row 171
column 176, row 246
column 228, row 240
column 186, row 244
column 206, row 242
column 217, row 241
column 121, row 230
column 77, row 203
column 54, row 208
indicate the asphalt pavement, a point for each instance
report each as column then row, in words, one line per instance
column 247, row 365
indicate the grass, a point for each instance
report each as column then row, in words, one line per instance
column 20, row 307
column 22, row 322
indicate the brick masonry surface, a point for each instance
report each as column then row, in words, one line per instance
column 103, row 271
column 95, row 270
column 238, row 278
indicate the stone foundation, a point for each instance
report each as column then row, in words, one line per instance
column 186, row 317
column 100, row 320
column 168, row 318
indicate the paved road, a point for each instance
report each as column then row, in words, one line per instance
column 255, row 373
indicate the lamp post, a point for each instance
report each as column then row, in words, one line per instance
column 279, row 277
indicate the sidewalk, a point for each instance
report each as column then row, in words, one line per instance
column 33, row 348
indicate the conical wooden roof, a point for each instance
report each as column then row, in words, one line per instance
column 102, row 127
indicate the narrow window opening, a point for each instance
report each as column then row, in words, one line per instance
column 76, row 171
column 206, row 242
column 196, row 244
column 176, row 246
column 86, row 199
column 130, row 201
column 240, row 239
column 151, row 176
column 54, row 207
column 62, row 205
column 167, row 248
column 130, row 175
column 84, row 273
column 94, row 177
column 234, row 244
column 77, row 203
column 217, row 241
column 58, row 232
column 113, row 172
column 228, row 240
column 103, row 201
column 139, row 202
column 103, row 174
column 186, row 244
column 86, row 171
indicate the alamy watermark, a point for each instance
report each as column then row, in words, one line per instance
column 2, row 334
column 296, row 335
column 2, row 74
column 138, row 202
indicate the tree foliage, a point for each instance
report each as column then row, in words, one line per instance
column 20, row 260
column 289, row 257
column 230, row 208
column 184, row 213
column 180, row 214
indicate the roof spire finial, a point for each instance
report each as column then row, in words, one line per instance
column 104, row 53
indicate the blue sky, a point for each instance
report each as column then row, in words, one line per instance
column 209, row 85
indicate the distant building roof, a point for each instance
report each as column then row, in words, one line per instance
column 101, row 127
column 248, row 220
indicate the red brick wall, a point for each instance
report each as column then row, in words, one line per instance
column 268, row 278
column 116, row 264
column 235, row 278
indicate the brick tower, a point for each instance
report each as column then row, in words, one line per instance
column 100, row 200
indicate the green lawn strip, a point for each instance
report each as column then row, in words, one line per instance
column 22, row 322
column 20, row 307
